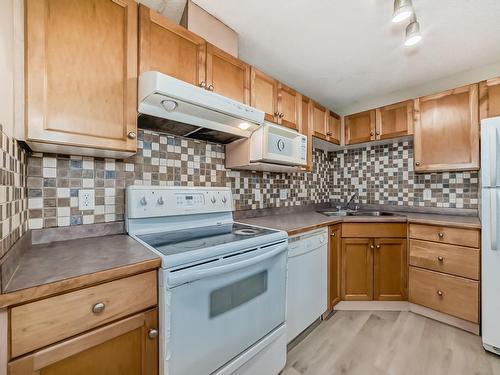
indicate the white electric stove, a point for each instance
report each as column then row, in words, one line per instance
column 222, row 285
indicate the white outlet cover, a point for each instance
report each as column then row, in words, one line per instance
column 86, row 199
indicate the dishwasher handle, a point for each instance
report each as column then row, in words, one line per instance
column 186, row 276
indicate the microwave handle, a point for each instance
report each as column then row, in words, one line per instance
column 183, row 277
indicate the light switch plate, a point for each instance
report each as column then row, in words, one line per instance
column 86, row 199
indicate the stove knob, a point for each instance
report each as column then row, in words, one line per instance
column 160, row 201
column 213, row 200
column 224, row 200
column 144, row 201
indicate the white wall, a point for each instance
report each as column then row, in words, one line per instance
column 442, row 84
column 7, row 66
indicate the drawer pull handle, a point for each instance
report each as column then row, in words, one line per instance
column 440, row 293
column 153, row 333
column 440, row 258
column 441, row 235
column 98, row 308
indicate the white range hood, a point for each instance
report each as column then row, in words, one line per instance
column 192, row 111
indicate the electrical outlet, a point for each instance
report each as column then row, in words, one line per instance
column 283, row 194
column 86, row 199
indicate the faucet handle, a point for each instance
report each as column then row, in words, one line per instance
column 339, row 207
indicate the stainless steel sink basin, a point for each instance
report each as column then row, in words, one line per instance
column 357, row 213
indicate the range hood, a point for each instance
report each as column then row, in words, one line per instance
column 173, row 106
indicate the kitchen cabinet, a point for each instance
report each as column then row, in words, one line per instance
column 390, row 269
column 128, row 346
column 357, row 269
column 289, row 102
column 333, row 128
column 334, row 265
column 360, row 127
column 264, row 94
column 170, row 49
column 395, row 120
column 489, row 98
column 320, row 121
column 226, row 75
column 81, row 76
column 447, row 131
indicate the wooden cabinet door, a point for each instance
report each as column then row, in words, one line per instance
column 81, row 73
column 171, row 49
column 357, row 269
column 360, row 127
column 264, row 94
column 227, row 75
column 447, row 131
column 289, row 102
column 123, row 347
column 306, row 126
column 489, row 98
column 390, row 269
column 333, row 128
column 334, row 266
column 394, row 120
column 320, row 121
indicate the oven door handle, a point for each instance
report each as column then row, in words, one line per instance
column 186, row 276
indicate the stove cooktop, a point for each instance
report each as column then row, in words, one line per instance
column 179, row 241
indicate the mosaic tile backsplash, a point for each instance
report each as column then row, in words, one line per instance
column 378, row 174
column 13, row 198
column 54, row 180
column 384, row 174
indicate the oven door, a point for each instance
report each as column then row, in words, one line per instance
column 217, row 310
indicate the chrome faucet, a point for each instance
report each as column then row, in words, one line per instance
column 354, row 196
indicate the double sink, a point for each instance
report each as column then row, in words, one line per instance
column 357, row 213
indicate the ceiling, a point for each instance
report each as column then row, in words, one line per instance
column 340, row 52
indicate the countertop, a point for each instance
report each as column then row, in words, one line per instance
column 295, row 223
column 54, row 267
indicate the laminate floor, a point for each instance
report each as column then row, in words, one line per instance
column 389, row 343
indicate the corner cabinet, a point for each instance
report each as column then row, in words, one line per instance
column 489, row 98
column 447, row 131
column 81, row 76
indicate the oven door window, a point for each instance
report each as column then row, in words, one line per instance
column 237, row 293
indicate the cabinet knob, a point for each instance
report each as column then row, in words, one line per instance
column 440, row 258
column 439, row 293
column 417, row 163
column 441, row 235
column 98, row 308
column 328, row 133
column 333, row 234
column 153, row 333
column 277, row 114
column 378, row 246
column 282, row 115
column 203, row 84
column 372, row 247
column 371, row 133
column 132, row 135
column 377, row 132
column 211, row 88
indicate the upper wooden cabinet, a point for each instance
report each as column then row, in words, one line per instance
column 288, row 107
column 169, row 48
column 447, row 131
column 226, row 75
column 320, row 120
column 81, row 76
column 333, row 128
column 394, row 120
column 489, row 98
column 390, row 269
column 360, row 127
column 264, row 94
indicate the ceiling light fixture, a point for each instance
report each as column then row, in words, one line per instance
column 403, row 10
column 413, row 35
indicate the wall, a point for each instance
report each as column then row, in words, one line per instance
column 13, row 198
column 54, row 180
column 384, row 175
column 7, row 66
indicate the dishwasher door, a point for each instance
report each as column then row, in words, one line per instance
column 307, row 280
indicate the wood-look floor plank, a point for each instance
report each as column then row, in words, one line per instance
column 389, row 343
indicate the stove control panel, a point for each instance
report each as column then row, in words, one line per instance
column 154, row 201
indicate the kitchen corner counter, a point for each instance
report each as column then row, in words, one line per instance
column 50, row 268
column 295, row 223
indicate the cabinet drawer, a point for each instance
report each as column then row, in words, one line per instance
column 449, row 294
column 373, row 230
column 456, row 260
column 454, row 236
column 44, row 322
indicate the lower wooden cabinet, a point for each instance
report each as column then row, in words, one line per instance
column 129, row 346
column 390, row 269
column 357, row 269
column 334, row 266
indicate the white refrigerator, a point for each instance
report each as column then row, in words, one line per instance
column 490, row 245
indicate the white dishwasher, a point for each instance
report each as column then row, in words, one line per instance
column 307, row 280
